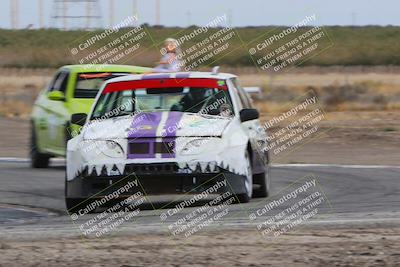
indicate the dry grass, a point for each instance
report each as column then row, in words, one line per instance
column 335, row 91
column 19, row 88
column 355, row 89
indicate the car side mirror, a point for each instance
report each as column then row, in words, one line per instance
column 78, row 118
column 56, row 96
column 249, row 114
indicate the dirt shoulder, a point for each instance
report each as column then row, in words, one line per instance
column 360, row 247
column 363, row 137
column 14, row 137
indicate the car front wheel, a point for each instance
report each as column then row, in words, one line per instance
column 262, row 180
column 248, row 183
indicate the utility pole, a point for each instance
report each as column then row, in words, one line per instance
column 40, row 12
column 158, row 12
column 65, row 12
column 111, row 13
column 353, row 18
column 135, row 7
column 189, row 18
column 14, row 4
column 88, row 7
column 135, row 11
column 229, row 18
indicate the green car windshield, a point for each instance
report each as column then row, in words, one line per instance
column 88, row 84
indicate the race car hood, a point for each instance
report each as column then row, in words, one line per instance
column 157, row 124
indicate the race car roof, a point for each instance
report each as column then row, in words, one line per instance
column 172, row 75
column 181, row 79
column 105, row 68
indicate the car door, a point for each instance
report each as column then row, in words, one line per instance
column 41, row 114
column 254, row 130
column 57, row 115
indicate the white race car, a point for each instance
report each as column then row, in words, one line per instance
column 173, row 132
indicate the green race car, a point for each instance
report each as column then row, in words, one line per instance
column 72, row 90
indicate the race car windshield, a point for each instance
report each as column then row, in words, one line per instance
column 88, row 84
column 204, row 101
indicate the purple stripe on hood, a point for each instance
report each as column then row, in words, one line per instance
column 169, row 133
column 144, row 130
column 171, row 124
column 145, row 125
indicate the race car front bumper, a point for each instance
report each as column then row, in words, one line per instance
column 155, row 179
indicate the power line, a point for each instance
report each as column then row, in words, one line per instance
column 68, row 14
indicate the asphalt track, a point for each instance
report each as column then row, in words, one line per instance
column 32, row 200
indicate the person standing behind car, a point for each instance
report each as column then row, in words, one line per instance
column 170, row 60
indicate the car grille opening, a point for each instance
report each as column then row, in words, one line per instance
column 151, row 147
column 164, row 147
column 139, row 148
column 170, row 167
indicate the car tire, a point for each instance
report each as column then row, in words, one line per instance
column 38, row 160
column 245, row 197
column 72, row 205
column 262, row 179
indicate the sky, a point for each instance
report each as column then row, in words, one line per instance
column 239, row 12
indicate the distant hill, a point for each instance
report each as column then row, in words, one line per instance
column 369, row 45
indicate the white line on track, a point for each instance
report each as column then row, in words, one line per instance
column 300, row 165
column 339, row 166
column 14, row 160
column 26, row 160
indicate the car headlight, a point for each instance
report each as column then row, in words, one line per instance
column 110, row 149
column 195, row 146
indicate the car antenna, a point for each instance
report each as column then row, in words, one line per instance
column 215, row 70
